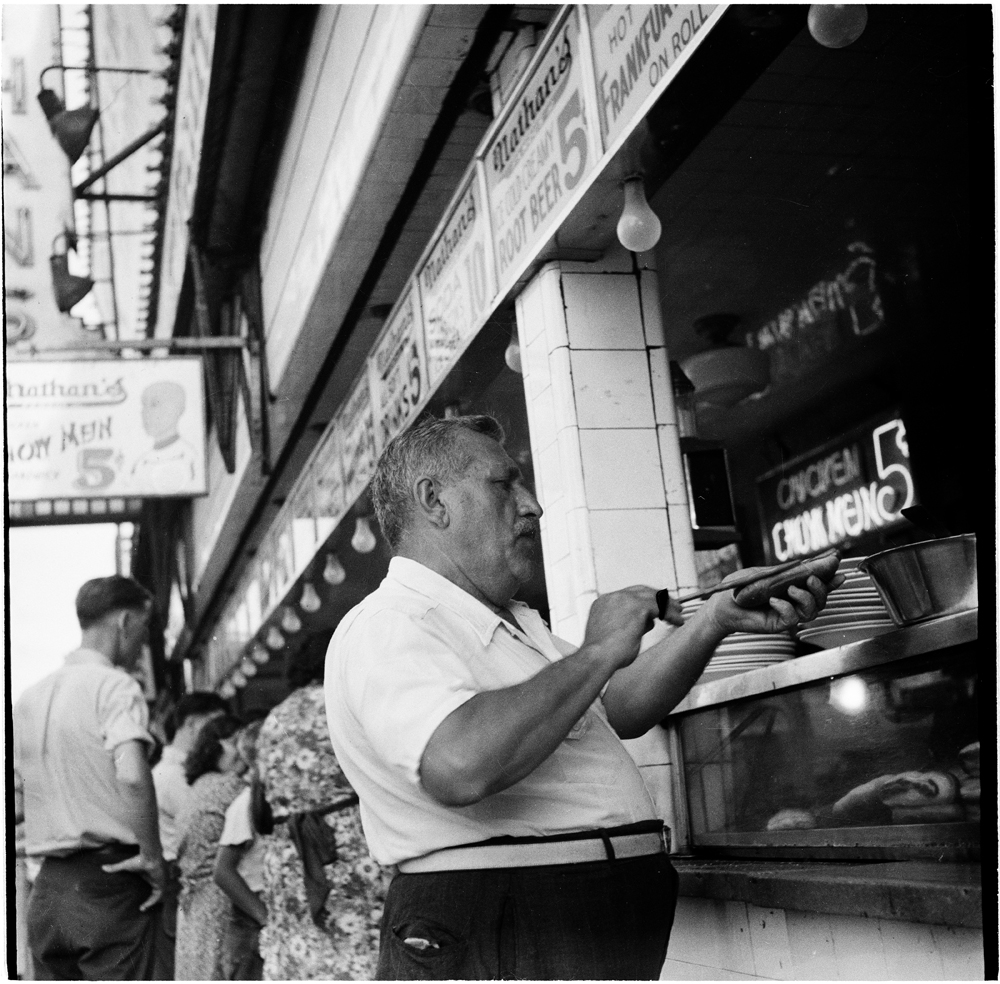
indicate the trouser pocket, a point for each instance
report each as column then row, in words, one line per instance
column 421, row 950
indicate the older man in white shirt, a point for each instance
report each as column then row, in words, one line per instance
column 486, row 752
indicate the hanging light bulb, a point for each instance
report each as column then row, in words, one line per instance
column 638, row 228
column 333, row 572
column 259, row 654
column 227, row 691
column 363, row 540
column 836, row 25
column 512, row 354
column 238, row 680
column 290, row 622
column 274, row 640
column 310, row 600
column 248, row 668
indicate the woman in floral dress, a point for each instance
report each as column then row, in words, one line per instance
column 300, row 773
column 203, row 909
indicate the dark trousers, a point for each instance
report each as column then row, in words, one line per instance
column 85, row 924
column 166, row 925
column 604, row 920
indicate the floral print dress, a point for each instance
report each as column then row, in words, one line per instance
column 203, row 908
column 300, row 772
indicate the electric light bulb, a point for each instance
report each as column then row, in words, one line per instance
column 290, row 622
column 227, row 691
column 836, row 25
column 512, row 354
column 274, row 640
column 259, row 654
column 363, row 540
column 849, row 695
column 238, row 680
column 638, row 228
column 248, row 668
column 310, row 600
column 333, row 572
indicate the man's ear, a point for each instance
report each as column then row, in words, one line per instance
column 429, row 502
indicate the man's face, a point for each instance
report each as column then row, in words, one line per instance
column 493, row 519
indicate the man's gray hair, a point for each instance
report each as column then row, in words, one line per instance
column 428, row 448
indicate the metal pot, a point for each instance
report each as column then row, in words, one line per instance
column 926, row 580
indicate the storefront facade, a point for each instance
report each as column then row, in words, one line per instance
column 761, row 384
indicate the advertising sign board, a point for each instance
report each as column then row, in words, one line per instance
column 844, row 490
column 398, row 369
column 540, row 151
column 101, row 428
column 356, row 424
column 456, row 281
column 638, row 49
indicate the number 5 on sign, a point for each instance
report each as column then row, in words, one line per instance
column 95, row 469
column 573, row 137
column 893, row 434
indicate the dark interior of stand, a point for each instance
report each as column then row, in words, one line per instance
column 825, row 148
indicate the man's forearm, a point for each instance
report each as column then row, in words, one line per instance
column 498, row 737
column 643, row 693
column 136, row 781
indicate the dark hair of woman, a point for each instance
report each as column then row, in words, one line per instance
column 307, row 665
column 207, row 749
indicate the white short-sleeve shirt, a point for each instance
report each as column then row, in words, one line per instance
column 407, row 656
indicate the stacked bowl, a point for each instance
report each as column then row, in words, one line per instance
column 853, row 611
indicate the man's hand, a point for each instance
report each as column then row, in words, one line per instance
column 804, row 604
column 150, row 869
column 619, row 620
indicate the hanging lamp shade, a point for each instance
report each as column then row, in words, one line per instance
column 70, row 127
column 69, row 288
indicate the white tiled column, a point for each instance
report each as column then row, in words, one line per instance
column 604, row 438
column 606, row 452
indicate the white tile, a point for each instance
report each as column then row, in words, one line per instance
column 735, row 949
column 529, row 308
column 535, row 364
column 857, row 946
column 810, row 944
column 621, row 469
column 630, row 547
column 612, row 388
column 554, row 316
column 769, row 940
column 672, row 464
column 616, row 259
column 678, row 970
column 961, row 952
column 563, row 397
column 652, row 319
column 682, row 547
column 694, row 938
column 602, row 311
column 911, row 952
column 548, row 475
column 559, row 589
column 541, row 416
column 555, row 536
column 663, row 393
column 571, row 462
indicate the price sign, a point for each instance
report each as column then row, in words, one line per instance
column 100, row 428
column 539, row 153
column 398, row 369
column 327, row 473
column 456, row 282
column 639, row 48
column 356, row 424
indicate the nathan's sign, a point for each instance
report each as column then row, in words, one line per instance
column 845, row 490
column 456, row 282
column 398, row 370
column 355, row 423
column 540, row 151
column 638, row 49
column 102, row 428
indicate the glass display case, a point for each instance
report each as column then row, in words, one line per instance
column 866, row 751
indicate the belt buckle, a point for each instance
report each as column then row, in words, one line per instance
column 665, row 837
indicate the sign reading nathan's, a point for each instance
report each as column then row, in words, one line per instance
column 539, row 153
column 85, row 429
column 847, row 489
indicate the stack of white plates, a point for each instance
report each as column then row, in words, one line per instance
column 743, row 651
column 853, row 611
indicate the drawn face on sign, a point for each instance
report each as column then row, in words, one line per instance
column 162, row 406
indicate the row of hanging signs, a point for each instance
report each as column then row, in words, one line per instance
column 594, row 77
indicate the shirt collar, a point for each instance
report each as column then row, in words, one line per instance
column 83, row 656
column 417, row 577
